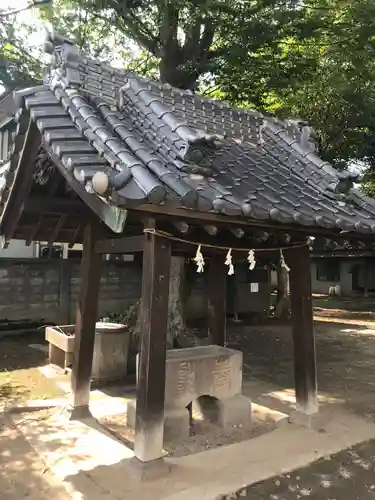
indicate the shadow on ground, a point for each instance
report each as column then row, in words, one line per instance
column 23, row 474
column 347, row 475
column 15, row 353
column 345, row 363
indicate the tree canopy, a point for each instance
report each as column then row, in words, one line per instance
column 311, row 59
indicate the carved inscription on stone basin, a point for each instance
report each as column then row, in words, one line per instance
column 202, row 371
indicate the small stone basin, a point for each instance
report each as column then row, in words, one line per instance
column 110, row 349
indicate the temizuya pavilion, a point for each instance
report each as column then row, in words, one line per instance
column 126, row 164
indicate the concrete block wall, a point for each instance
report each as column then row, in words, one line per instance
column 120, row 287
column 46, row 291
column 29, row 289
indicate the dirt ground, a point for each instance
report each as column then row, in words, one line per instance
column 20, row 378
column 23, row 474
column 345, row 361
column 346, row 376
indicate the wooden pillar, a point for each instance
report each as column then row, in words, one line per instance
column 303, row 330
column 365, row 278
column 217, row 300
column 85, row 324
column 148, row 443
column 64, row 291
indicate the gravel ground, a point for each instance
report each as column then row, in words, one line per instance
column 204, row 435
column 348, row 475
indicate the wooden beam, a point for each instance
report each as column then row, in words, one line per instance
column 75, row 236
column 182, row 226
column 238, row 232
column 217, row 300
column 148, row 444
column 204, row 218
column 33, row 231
column 56, row 230
column 210, row 229
column 64, row 291
column 51, row 205
column 54, row 183
column 303, row 330
column 24, row 174
column 85, row 324
column 114, row 217
column 130, row 244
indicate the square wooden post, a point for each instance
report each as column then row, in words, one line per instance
column 85, row 324
column 217, row 300
column 303, row 331
column 149, row 424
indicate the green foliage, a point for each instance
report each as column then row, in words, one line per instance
column 311, row 59
column 129, row 317
column 18, row 66
column 324, row 73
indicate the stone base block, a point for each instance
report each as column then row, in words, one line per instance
column 146, row 471
column 59, row 357
column 130, row 414
column 77, row 413
column 176, row 422
column 311, row 421
column 225, row 412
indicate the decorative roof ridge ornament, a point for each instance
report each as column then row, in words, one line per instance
column 303, row 132
column 56, row 39
column 63, row 68
column 343, row 188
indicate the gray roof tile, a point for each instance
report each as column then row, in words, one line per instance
column 151, row 140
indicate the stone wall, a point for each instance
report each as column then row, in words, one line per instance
column 46, row 291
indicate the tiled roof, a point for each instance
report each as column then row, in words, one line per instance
column 134, row 141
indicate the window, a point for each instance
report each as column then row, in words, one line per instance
column 53, row 252
column 328, row 270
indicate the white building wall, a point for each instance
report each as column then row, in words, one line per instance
column 18, row 250
column 346, row 277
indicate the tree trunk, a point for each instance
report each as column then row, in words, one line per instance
column 176, row 316
column 172, row 73
column 282, row 305
column 178, row 334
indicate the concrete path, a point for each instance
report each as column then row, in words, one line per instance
column 92, row 465
column 23, row 473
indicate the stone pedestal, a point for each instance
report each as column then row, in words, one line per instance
column 225, row 412
column 148, row 471
column 60, row 345
column 210, row 377
column 176, row 422
column 110, row 352
column 110, row 349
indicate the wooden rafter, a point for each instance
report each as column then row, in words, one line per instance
column 33, row 231
column 129, row 244
column 25, row 172
column 56, row 231
column 51, row 205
